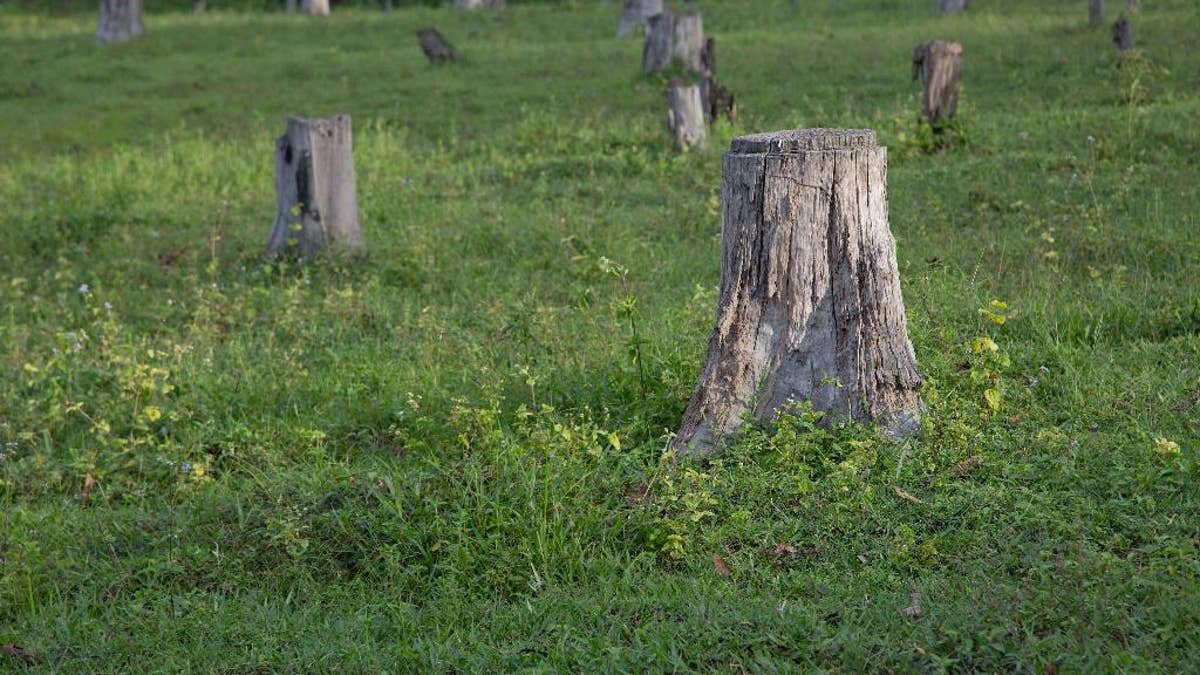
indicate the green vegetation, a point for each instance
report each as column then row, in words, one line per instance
column 449, row 456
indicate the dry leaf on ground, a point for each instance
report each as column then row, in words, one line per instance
column 721, row 567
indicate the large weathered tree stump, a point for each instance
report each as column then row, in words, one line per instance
column 1122, row 34
column 316, row 7
column 637, row 13
column 120, row 20
column 810, row 306
column 952, row 6
column 435, row 46
column 1095, row 13
column 685, row 115
column 315, row 195
column 939, row 66
column 672, row 37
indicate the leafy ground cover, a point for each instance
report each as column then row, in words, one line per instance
column 449, row 456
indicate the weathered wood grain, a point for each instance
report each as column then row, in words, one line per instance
column 939, row 66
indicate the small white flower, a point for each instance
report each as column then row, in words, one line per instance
column 83, row 288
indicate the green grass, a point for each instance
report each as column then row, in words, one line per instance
column 445, row 458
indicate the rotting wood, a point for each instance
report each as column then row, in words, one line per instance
column 315, row 195
column 810, row 308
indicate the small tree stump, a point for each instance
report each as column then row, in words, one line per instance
column 315, row 197
column 199, row 6
column 120, row 20
column 810, row 306
column 1133, row 5
column 289, row 6
column 637, row 13
column 1095, row 13
column 939, row 65
column 685, row 115
column 1122, row 33
column 435, row 46
column 952, row 6
column 316, row 7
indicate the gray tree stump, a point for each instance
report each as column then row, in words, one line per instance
column 672, row 37
column 688, row 40
column 1133, row 5
column 685, row 115
column 435, row 46
column 637, row 13
column 1122, row 33
column 120, row 20
column 939, row 66
column 316, row 7
column 810, row 306
column 199, row 6
column 1095, row 13
column 315, row 197
column 952, row 6
column 660, row 35
column 290, row 6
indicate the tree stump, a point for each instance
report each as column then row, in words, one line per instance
column 290, row 6
column 477, row 4
column 316, row 7
column 939, row 65
column 1122, row 33
column 952, row 6
column 688, row 40
column 1095, row 13
column 810, row 306
column 315, row 197
column 120, row 20
column 685, row 115
column 199, row 6
column 673, row 37
column 435, row 46
column 1133, row 5
column 637, row 13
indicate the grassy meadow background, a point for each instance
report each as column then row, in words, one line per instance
column 449, row 456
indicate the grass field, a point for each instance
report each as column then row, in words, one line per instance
column 448, row 457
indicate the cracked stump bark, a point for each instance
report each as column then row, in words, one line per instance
column 939, row 66
column 685, row 115
column 810, row 306
column 315, row 196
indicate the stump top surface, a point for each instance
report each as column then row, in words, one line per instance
column 802, row 140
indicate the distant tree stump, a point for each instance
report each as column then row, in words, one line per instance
column 435, row 46
column 1095, row 13
column 952, row 6
column 637, row 13
column 477, row 4
column 810, row 306
column 199, row 6
column 1133, row 5
column 688, row 40
column 1122, row 34
column 685, row 115
column 290, row 6
column 939, row 66
column 673, row 37
column 316, row 7
column 315, row 196
column 120, row 20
